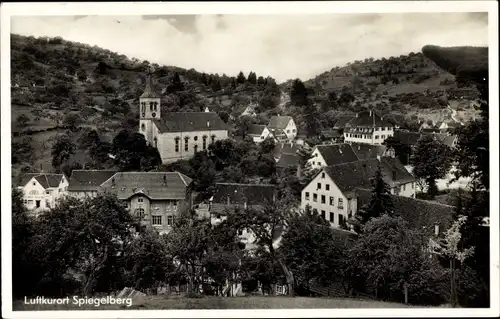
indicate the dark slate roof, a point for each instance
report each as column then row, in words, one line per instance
column 342, row 120
column 252, row 194
column 368, row 118
column 285, row 148
column 419, row 214
column 366, row 151
column 349, row 176
column 256, row 129
column 331, row 134
column 155, row 185
column 148, row 91
column 279, row 122
column 45, row 179
column 411, row 138
column 337, row 153
column 190, row 122
column 88, row 180
column 288, row 160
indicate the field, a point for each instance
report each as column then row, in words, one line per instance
column 165, row 303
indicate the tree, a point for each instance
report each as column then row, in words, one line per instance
column 240, row 79
column 243, row 125
column 132, row 152
column 449, row 248
column 298, row 93
column 252, row 78
column 267, row 146
column 402, row 152
column 432, row 162
column 309, row 250
column 22, row 120
column 311, row 119
column 22, row 150
column 233, row 174
column 261, row 81
column 71, row 120
column 385, row 256
column 62, row 149
column 380, row 202
column 67, row 169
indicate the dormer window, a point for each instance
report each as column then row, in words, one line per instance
column 140, row 200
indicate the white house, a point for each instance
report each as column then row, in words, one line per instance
column 367, row 127
column 282, row 127
column 42, row 190
column 259, row 133
column 331, row 154
column 332, row 191
column 177, row 135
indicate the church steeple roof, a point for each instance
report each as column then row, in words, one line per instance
column 148, row 90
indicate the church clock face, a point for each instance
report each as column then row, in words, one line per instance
column 153, row 114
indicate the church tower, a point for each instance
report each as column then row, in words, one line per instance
column 149, row 110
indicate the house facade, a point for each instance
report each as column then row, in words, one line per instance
column 283, row 128
column 259, row 133
column 177, row 135
column 41, row 191
column 331, row 193
column 367, row 127
column 157, row 198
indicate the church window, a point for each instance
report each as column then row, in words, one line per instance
column 177, row 144
column 143, row 126
column 143, row 107
column 204, row 142
column 151, row 105
column 195, row 138
column 186, row 144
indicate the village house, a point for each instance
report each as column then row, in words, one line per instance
column 331, row 136
column 41, row 191
column 243, row 110
column 177, row 135
column 331, row 193
column 155, row 197
column 331, row 154
column 367, row 127
column 283, row 128
column 259, row 133
column 230, row 196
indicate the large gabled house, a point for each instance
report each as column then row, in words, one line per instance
column 331, row 193
column 41, row 191
column 367, row 127
column 283, row 128
column 157, row 198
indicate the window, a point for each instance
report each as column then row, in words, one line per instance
column 288, row 131
column 37, row 204
column 240, row 232
column 151, row 106
column 33, row 192
column 376, row 137
column 307, row 195
column 383, row 136
column 332, row 201
column 175, row 203
column 157, row 220
column 177, row 144
column 341, row 203
column 383, row 129
column 319, row 164
column 143, row 107
column 139, row 212
column 293, row 131
column 48, row 192
column 213, row 138
column 323, row 214
column 262, row 137
column 332, row 217
column 143, row 127
column 186, row 145
column 30, row 202
column 319, row 186
column 34, row 183
column 323, row 175
column 323, row 199
column 195, row 138
column 156, row 141
column 26, row 201
column 327, row 187
column 204, row 142
column 404, row 187
column 315, row 197
column 195, row 148
column 170, row 220
column 140, row 200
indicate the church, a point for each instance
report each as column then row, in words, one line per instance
column 177, row 135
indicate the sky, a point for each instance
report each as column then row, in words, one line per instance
column 282, row 46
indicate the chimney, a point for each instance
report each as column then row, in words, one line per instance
column 208, row 123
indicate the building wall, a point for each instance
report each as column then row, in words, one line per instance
column 377, row 137
column 406, row 190
column 166, row 143
column 316, row 160
column 83, row 194
column 37, row 198
column 291, row 130
column 265, row 134
column 334, row 191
